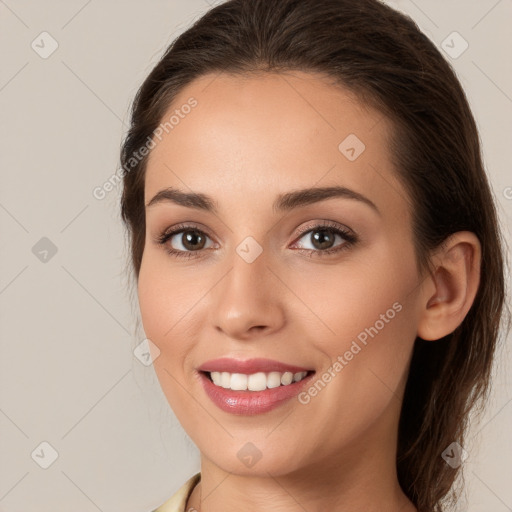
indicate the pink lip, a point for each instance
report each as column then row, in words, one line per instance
column 248, row 366
column 251, row 402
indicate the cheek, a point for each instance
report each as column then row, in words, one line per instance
column 369, row 307
column 171, row 314
column 366, row 365
column 378, row 326
column 153, row 303
column 163, row 307
column 164, row 298
column 363, row 296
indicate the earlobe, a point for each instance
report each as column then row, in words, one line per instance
column 449, row 291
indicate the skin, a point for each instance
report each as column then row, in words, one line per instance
column 248, row 140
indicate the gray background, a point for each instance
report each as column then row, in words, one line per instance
column 68, row 376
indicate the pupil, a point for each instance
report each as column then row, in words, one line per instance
column 323, row 241
column 191, row 239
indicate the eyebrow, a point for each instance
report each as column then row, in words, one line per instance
column 283, row 203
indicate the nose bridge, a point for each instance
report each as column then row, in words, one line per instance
column 248, row 296
column 247, row 282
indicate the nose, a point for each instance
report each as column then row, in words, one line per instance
column 248, row 302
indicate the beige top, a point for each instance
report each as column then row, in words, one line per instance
column 178, row 501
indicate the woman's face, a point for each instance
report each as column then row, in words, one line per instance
column 323, row 282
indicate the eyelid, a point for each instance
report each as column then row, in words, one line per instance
column 324, row 223
column 180, row 227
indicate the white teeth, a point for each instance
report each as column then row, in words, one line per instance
column 216, row 377
column 238, row 381
column 286, row 378
column 256, row 381
column 225, row 379
column 273, row 380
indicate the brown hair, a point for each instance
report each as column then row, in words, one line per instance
column 382, row 56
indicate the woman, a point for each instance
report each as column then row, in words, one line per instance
column 317, row 255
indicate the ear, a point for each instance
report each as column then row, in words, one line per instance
column 449, row 291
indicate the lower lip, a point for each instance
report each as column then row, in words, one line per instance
column 251, row 402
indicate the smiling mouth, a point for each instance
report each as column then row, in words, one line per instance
column 258, row 381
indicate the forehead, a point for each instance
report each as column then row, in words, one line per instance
column 258, row 135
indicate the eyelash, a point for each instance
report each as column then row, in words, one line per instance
column 350, row 239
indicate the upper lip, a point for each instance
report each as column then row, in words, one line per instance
column 249, row 366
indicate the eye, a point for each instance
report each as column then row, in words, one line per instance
column 322, row 238
column 189, row 241
column 184, row 240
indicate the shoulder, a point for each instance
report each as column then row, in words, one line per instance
column 178, row 501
